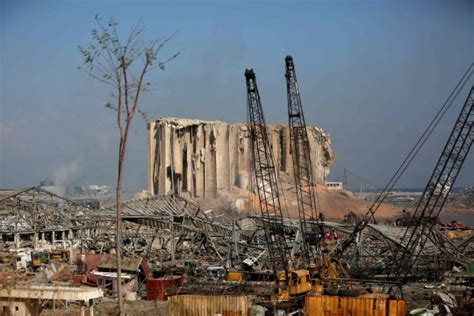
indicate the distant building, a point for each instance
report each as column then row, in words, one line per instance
column 334, row 186
column 95, row 189
column 92, row 190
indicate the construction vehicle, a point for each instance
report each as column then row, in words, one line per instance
column 303, row 173
column 289, row 283
column 310, row 243
column 59, row 255
column 436, row 191
column 39, row 258
column 325, row 297
column 434, row 196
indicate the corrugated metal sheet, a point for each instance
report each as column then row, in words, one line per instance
column 205, row 305
column 109, row 262
column 356, row 306
column 90, row 260
column 156, row 288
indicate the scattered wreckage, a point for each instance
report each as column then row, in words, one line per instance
column 173, row 247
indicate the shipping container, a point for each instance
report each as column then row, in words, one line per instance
column 367, row 305
column 156, row 288
column 205, row 305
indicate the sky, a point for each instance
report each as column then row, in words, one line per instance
column 372, row 74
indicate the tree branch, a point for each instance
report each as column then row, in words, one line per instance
column 139, row 85
column 119, row 105
column 124, row 73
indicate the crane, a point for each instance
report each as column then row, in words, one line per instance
column 303, row 173
column 266, row 178
column 437, row 189
column 340, row 250
column 433, row 198
column 291, row 283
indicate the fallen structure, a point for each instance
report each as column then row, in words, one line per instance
column 187, row 248
column 27, row 299
column 172, row 229
column 372, row 253
column 33, row 216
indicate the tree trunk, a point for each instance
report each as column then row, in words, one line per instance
column 118, row 237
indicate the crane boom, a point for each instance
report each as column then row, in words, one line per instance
column 360, row 226
column 266, row 178
column 438, row 188
column 305, row 193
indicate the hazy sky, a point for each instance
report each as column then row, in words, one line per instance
column 371, row 73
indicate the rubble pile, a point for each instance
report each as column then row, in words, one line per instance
column 172, row 245
column 462, row 199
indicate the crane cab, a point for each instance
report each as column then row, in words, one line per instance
column 290, row 284
column 300, row 282
column 297, row 283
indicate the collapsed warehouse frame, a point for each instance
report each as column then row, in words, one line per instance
column 154, row 224
column 36, row 218
column 34, row 215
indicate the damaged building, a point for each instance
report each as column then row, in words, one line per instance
column 201, row 158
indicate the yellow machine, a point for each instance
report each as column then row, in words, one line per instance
column 331, row 269
column 235, row 276
column 300, row 282
column 59, row 255
column 296, row 283
column 39, row 258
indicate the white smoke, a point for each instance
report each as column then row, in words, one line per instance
column 65, row 175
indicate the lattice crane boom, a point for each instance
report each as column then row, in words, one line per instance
column 438, row 188
column 266, row 178
column 306, row 195
column 339, row 251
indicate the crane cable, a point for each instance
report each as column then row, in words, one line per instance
column 421, row 141
column 407, row 161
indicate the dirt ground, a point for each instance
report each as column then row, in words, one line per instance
column 334, row 205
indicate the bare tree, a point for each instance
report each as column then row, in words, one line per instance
column 123, row 65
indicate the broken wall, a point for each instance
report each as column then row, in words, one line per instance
column 204, row 157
